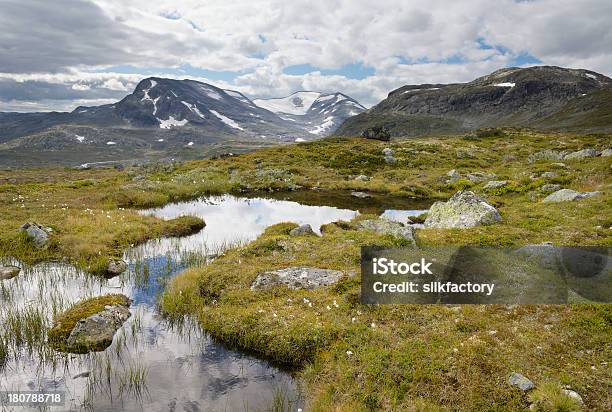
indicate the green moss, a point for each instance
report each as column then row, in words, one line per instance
column 65, row 322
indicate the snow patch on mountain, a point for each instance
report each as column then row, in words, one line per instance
column 81, row 139
column 323, row 127
column 194, row 109
column 226, row 120
column 171, row 122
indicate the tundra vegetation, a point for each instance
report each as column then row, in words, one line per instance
column 351, row 356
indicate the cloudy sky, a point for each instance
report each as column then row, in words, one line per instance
column 55, row 55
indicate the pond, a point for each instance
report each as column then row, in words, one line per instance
column 152, row 364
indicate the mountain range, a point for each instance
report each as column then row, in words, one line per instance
column 540, row 97
column 185, row 119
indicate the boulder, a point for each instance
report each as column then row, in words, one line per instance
column 606, row 153
column 302, row 230
column 363, row 178
column 96, row 332
column 581, row 154
column 39, row 235
column 387, row 227
column 495, row 184
column 361, row 195
column 568, row 195
column 547, row 154
column 377, row 133
column 9, row 272
column 520, row 381
column 116, row 267
column 296, row 278
column 574, row 395
column 464, row 209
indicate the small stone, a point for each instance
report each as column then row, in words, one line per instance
column 361, row 195
column 574, row 395
column 550, row 187
column 116, row 267
column 302, row 230
column 9, row 272
column 606, row 153
column 388, row 151
column 453, row 176
column 390, row 160
column 478, row 177
column 495, row 184
column 518, row 380
column 363, row 178
column 38, row 234
column 549, row 175
column 558, row 164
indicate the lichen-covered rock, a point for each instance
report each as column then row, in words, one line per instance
column 388, row 151
column 9, row 272
column 495, row 184
column 363, row 178
column 465, row 209
column 520, row 381
column 478, row 177
column 116, row 267
column 568, row 195
column 390, row 159
column 38, row 234
column 296, row 278
column 386, row 227
column 581, row 154
column 302, row 230
column 96, row 332
column 549, row 175
column 452, row 176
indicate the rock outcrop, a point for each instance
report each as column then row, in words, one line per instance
column 568, row 195
column 386, row 227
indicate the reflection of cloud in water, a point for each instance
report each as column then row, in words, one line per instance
column 401, row 215
column 230, row 219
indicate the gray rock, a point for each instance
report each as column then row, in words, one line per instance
column 464, row 209
column 361, row 195
column 116, row 267
column 386, row 227
column 363, row 178
column 390, row 159
column 453, row 176
column 388, row 151
column 96, row 331
column 549, row 175
column 568, row 195
column 9, row 272
column 547, row 154
column 296, row 278
column 518, row 380
column 550, row 187
column 478, row 177
column 302, row 230
column 464, row 153
column 495, row 184
column 574, row 395
column 606, row 153
column 39, row 235
column 581, row 154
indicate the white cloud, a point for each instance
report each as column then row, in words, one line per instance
column 442, row 40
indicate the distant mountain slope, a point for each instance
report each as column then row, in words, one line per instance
column 544, row 97
column 317, row 113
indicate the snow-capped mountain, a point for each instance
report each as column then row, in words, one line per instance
column 317, row 113
column 201, row 108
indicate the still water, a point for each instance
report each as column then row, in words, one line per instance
column 151, row 364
